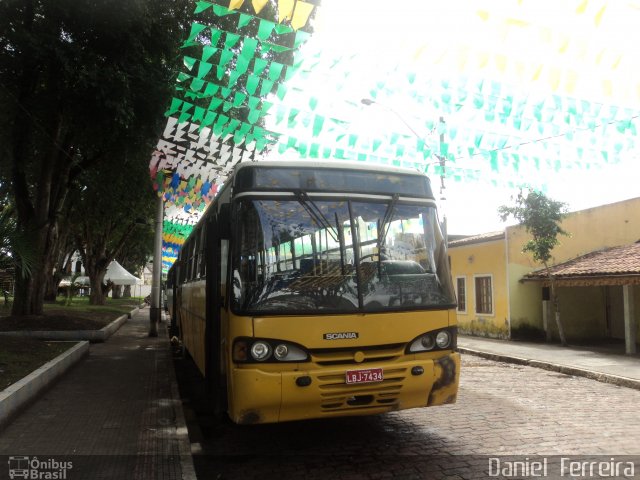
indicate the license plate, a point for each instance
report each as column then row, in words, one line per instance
column 368, row 375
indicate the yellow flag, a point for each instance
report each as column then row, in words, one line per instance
column 285, row 8
column 235, row 4
column 598, row 17
column 301, row 14
column 258, row 5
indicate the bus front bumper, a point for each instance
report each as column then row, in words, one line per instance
column 265, row 397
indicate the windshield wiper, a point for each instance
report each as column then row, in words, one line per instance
column 315, row 212
column 383, row 229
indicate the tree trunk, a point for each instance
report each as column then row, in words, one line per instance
column 51, row 287
column 30, row 291
column 116, row 292
column 127, row 291
column 96, row 257
column 96, row 261
column 96, row 270
column 556, row 306
column 62, row 259
column 38, row 220
column 22, row 303
column 97, row 297
column 563, row 340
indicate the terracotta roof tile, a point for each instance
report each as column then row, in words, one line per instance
column 623, row 260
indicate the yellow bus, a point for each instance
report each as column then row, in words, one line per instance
column 319, row 290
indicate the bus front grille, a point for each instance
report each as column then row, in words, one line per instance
column 337, row 395
column 348, row 356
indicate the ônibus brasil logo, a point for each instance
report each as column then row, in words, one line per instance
column 36, row 469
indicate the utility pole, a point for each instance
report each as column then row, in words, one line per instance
column 155, row 312
column 443, row 198
column 442, row 159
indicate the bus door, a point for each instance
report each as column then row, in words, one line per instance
column 216, row 258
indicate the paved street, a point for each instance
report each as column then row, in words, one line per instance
column 115, row 415
column 502, row 409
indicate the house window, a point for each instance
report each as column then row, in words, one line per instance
column 461, row 288
column 484, row 295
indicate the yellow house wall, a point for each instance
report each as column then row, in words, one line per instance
column 582, row 312
column 592, row 229
column 636, row 301
column 487, row 258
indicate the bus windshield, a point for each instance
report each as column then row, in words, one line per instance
column 298, row 256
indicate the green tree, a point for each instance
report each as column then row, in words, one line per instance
column 16, row 250
column 63, row 254
column 541, row 218
column 136, row 255
column 78, row 80
column 112, row 218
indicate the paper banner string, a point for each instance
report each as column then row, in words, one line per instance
column 213, row 162
column 507, row 118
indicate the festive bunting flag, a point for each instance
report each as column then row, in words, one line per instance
column 505, row 115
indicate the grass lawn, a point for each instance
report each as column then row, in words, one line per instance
column 21, row 356
column 77, row 316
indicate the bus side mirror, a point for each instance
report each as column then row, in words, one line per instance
column 224, row 221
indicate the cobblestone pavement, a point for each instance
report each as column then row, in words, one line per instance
column 502, row 410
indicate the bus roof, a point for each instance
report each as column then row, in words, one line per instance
column 334, row 164
column 334, row 177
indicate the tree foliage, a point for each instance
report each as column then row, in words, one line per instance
column 83, row 83
column 16, row 251
column 112, row 217
column 541, row 217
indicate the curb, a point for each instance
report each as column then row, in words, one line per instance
column 91, row 335
column 554, row 367
column 15, row 396
column 182, row 432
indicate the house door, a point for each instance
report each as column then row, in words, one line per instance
column 615, row 312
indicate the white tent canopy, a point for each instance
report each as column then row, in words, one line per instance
column 80, row 281
column 117, row 274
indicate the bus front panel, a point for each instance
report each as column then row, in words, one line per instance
column 271, row 391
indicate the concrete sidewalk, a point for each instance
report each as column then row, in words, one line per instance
column 597, row 364
column 115, row 415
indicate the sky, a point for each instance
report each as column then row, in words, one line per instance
column 467, row 60
column 579, row 190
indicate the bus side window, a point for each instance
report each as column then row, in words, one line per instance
column 187, row 259
column 224, row 258
column 202, row 267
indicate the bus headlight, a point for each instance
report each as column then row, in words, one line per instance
column 289, row 353
column 443, row 339
column 281, row 351
column 427, row 342
column 436, row 340
column 248, row 350
column 260, row 351
column 423, row 343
